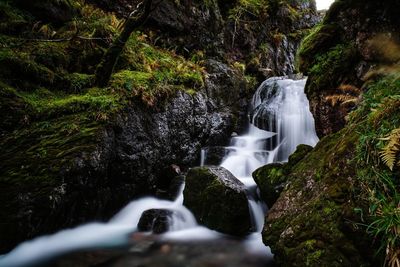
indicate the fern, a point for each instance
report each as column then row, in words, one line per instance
column 347, row 94
column 391, row 150
column 388, row 107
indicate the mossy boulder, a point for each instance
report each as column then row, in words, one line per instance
column 218, row 200
column 301, row 151
column 272, row 178
column 313, row 222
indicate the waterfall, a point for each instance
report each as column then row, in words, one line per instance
column 280, row 106
column 280, row 120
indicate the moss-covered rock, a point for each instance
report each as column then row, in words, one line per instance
column 313, row 223
column 272, row 178
column 218, row 200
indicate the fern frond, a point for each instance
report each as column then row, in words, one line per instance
column 346, row 94
column 391, row 150
column 386, row 108
column 349, row 89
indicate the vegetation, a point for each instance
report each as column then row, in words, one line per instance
column 50, row 110
column 377, row 160
column 334, row 62
column 331, row 67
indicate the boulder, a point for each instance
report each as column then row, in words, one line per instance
column 272, row 178
column 314, row 220
column 218, row 200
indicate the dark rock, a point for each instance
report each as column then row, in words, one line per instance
column 56, row 11
column 266, row 45
column 129, row 157
column 214, row 154
column 155, row 220
column 300, row 153
column 217, row 200
column 220, row 252
column 103, row 168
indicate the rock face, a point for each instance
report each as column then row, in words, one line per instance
column 266, row 44
column 131, row 156
column 218, row 200
column 341, row 51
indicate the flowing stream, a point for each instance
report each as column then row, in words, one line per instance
column 280, row 120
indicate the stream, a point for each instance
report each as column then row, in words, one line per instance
column 280, row 120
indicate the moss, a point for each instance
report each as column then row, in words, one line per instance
column 331, row 68
column 272, row 178
column 380, row 116
column 56, row 11
column 316, row 213
column 12, row 108
column 153, row 74
column 344, row 174
column 218, row 206
column 38, row 153
column 320, row 38
column 15, row 65
column 51, row 55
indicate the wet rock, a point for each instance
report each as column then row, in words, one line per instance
column 266, row 45
column 218, row 200
column 300, row 153
column 155, row 220
column 220, row 252
column 214, row 154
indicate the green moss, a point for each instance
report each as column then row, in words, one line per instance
column 214, row 204
column 38, row 153
column 249, row 7
column 320, row 38
column 14, row 65
column 329, row 69
column 380, row 116
column 154, row 74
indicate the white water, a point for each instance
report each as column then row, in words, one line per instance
column 112, row 234
column 281, row 106
column 289, row 108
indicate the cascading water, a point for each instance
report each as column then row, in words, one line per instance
column 281, row 106
column 280, row 121
column 281, row 109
